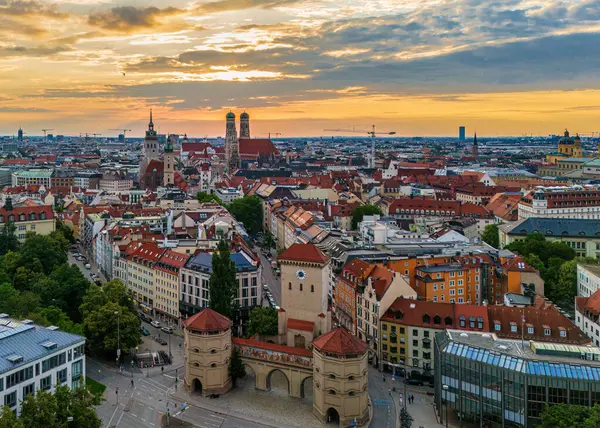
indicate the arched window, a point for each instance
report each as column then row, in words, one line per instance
column 213, row 365
column 312, row 288
column 426, row 319
column 331, row 392
column 290, row 286
column 437, row 319
column 32, row 216
column 42, row 216
column 1, row 218
column 11, row 217
column 21, row 217
column 300, row 286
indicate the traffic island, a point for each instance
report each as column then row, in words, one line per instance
column 172, row 421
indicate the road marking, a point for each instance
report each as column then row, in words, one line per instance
column 143, row 420
column 119, row 421
column 134, row 415
column 111, row 418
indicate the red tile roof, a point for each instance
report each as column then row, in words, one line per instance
column 207, row 320
column 257, row 146
column 539, row 317
column 294, row 324
column 590, row 304
column 304, row 253
column 272, row 347
column 339, row 342
column 37, row 210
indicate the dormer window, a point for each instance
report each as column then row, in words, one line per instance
column 547, row 331
column 513, row 327
column 463, row 321
column 497, row 325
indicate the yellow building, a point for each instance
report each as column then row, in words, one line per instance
column 140, row 275
column 167, row 283
column 570, row 146
column 39, row 219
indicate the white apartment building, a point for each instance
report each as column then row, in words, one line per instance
column 229, row 194
column 588, row 279
column 37, row 358
column 576, row 202
column 115, row 185
column 587, row 316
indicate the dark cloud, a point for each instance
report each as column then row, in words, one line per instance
column 23, row 110
column 31, row 51
column 128, row 18
column 230, row 5
column 29, row 8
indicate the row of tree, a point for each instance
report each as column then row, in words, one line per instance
column 38, row 283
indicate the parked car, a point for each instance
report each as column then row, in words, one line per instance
column 88, row 266
column 144, row 331
column 155, row 324
column 413, row 381
column 145, row 317
column 168, row 330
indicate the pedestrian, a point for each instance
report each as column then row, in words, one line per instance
column 383, row 377
column 162, row 369
column 412, row 399
column 132, row 383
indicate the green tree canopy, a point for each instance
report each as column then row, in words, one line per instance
column 223, row 286
column 263, row 321
column 8, row 419
column 268, row 241
column 569, row 416
column 108, row 316
column 54, row 410
column 248, row 210
column 491, row 236
column 208, row 197
column 8, row 238
column 48, row 250
column 362, row 211
column 537, row 244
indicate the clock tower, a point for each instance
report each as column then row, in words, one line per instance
column 304, row 314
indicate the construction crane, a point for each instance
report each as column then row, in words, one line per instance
column 96, row 135
column 372, row 133
column 277, row 134
column 45, row 135
column 124, row 131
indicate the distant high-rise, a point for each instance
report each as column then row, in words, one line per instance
column 244, row 125
column 475, row 147
column 20, row 135
column 232, row 154
column 462, row 133
column 121, row 138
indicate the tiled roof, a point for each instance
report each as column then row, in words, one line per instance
column 294, row 324
column 505, row 206
column 304, row 253
column 517, row 264
column 590, row 304
column 207, row 320
column 272, row 347
column 257, row 146
column 412, row 312
column 37, row 210
column 538, row 317
column 340, row 342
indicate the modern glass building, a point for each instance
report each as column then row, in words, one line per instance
column 483, row 381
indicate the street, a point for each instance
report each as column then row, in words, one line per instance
column 86, row 272
column 269, row 277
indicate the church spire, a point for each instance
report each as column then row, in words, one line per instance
column 475, row 138
column 151, row 124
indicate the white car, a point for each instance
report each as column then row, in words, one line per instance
column 155, row 324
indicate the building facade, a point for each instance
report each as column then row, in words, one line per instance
column 37, row 358
column 486, row 381
column 588, row 279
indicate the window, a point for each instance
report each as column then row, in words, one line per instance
column 416, row 343
column 312, row 288
column 437, row 319
column 415, row 353
column 452, row 292
column 497, row 326
column 18, row 377
column 28, row 390
column 290, row 286
column 513, row 327
column 530, row 329
column 415, row 332
column 460, row 282
column 563, row 333
column 463, row 321
column 426, row 319
column 546, row 332
column 300, row 286
column 480, row 323
column 46, row 383
column 53, row 362
column 461, row 291
column 76, row 369
column 451, row 283
column 10, row 400
column 448, row 321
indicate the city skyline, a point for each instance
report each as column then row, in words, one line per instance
column 300, row 66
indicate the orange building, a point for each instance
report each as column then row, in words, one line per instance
column 353, row 275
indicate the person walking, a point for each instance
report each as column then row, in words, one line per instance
column 132, row 383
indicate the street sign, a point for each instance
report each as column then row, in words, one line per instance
column 118, row 353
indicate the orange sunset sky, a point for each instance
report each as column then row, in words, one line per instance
column 418, row 67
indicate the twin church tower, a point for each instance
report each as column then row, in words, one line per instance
column 232, row 146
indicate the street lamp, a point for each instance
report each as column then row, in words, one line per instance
column 118, row 314
column 445, row 388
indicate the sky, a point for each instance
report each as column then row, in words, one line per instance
column 300, row 67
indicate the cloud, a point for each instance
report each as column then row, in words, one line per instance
column 30, row 8
column 11, row 51
column 23, row 110
column 231, row 5
column 126, row 19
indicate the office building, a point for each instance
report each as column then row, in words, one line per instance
column 486, row 381
column 35, row 358
column 462, row 133
column 588, row 279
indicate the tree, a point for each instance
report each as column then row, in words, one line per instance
column 8, row 238
column 406, row 419
column 534, row 261
column 263, row 321
column 249, row 211
column 268, row 241
column 567, row 416
column 208, row 197
column 8, row 419
column 362, row 211
column 54, row 316
column 108, row 315
column 223, row 286
column 39, row 410
column 491, row 236
column 65, row 230
column 236, row 366
column 47, row 250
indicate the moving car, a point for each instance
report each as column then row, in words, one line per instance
column 168, row 330
column 413, row 381
column 144, row 331
column 155, row 324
